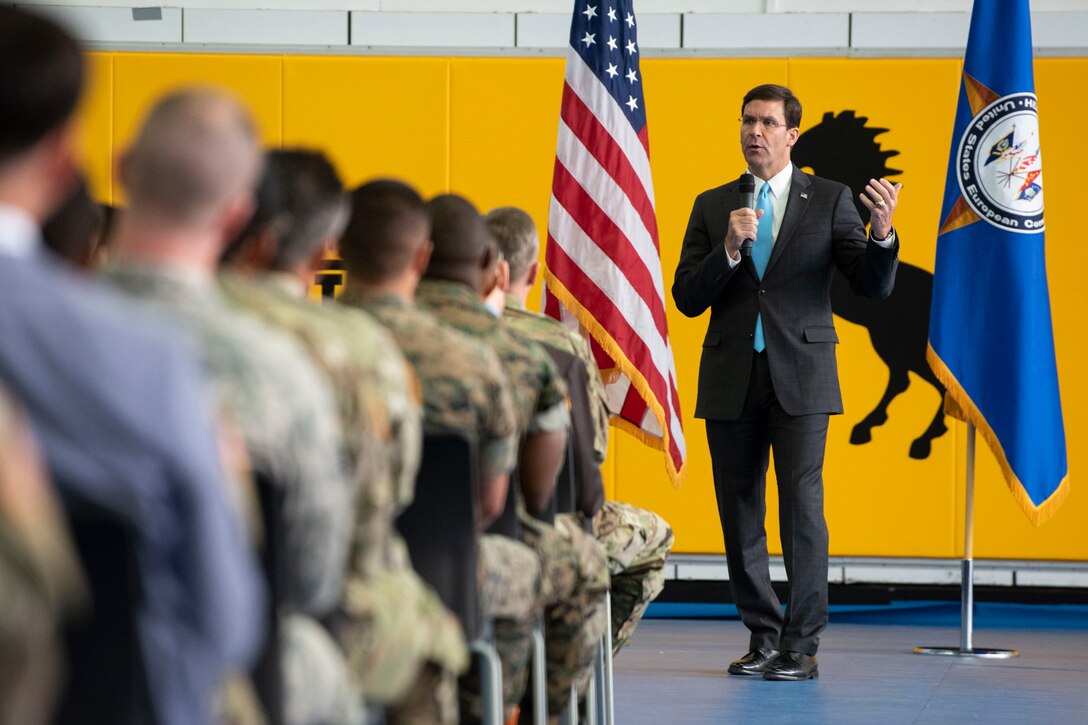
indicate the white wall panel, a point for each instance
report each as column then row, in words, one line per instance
column 910, row 30
column 266, row 27
column 439, row 30
column 761, row 30
column 564, row 6
column 543, row 30
column 1059, row 30
column 552, row 30
column 116, row 25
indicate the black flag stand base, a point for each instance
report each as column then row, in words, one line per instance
column 967, row 581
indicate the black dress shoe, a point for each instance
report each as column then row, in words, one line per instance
column 753, row 663
column 792, row 666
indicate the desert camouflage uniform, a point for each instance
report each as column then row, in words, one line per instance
column 464, row 388
column 377, row 396
column 268, row 386
column 637, row 541
column 574, row 570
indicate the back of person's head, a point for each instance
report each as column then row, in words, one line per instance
column 75, row 228
column 41, row 75
column 461, row 238
column 195, row 154
column 300, row 205
column 515, row 233
column 774, row 92
column 388, row 225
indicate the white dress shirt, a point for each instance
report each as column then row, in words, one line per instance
column 19, row 235
column 780, row 194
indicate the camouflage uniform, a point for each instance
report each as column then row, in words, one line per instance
column 377, row 396
column 268, row 386
column 39, row 576
column 464, row 388
column 573, row 565
column 552, row 333
column 637, row 541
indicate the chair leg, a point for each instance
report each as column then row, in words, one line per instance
column 570, row 717
column 591, row 695
column 540, row 675
column 490, row 681
column 608, row 694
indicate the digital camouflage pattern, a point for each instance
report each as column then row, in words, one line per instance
column 574, row 571
column 539, row 391
column 40, row 578
column 378, row 399
column 270, row 389
column 375, row 393
column 638, row 543
column 552, row 333
column 574, row 576
column 463, row 384
column 510, row 594
column 464, row 388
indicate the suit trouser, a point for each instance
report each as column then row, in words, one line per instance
column 739, row 450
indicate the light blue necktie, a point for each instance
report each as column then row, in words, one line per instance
column 761, row 250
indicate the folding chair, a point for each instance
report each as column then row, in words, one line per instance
column 581, row 490
column 107, row 680
column 440, row 531
column 267, row 673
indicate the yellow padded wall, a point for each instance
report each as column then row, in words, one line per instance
column 373, row 116
column 94, row 122
column 878, row 499
column 504, row 118
column 486, row 127
column 692, row 109
column 140, row 79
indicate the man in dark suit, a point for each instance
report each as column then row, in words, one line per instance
column 768, row 377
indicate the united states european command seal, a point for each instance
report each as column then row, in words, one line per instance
column 1000, row 170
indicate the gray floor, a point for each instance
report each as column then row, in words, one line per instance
column 674, row 672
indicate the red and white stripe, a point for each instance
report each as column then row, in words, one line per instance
column 603, row 256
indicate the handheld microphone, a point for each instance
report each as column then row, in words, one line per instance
column 747, row 187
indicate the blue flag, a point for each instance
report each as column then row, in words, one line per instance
column 990, row 337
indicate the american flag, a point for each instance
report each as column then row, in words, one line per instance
column 603, row 258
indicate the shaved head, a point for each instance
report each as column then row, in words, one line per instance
column 388, row 225
column 196, row 152
column 460, row 235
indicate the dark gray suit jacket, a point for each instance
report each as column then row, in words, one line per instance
column 821, row 230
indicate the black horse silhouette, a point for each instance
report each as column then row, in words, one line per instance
column 844, row 149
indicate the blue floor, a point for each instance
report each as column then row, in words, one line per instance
column 941, row 614
column 674, row 670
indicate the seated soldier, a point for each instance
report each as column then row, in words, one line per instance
column 637, row 541
column 190, row 176
column 398, row 636
column 461, row 273
column 116, row 400
column 385, row 248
